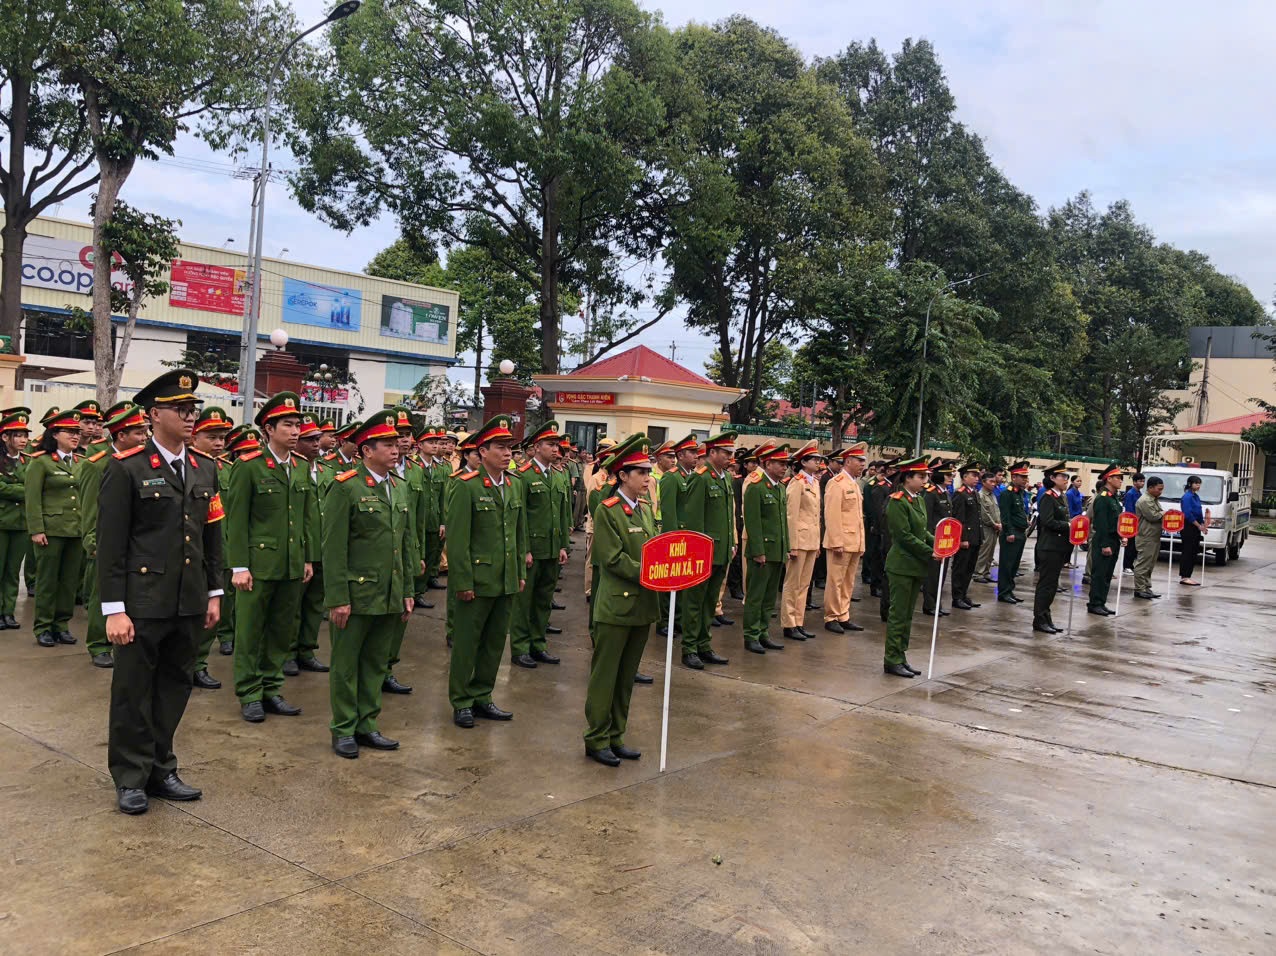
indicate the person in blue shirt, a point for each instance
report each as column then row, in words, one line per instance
column 1127, row 504
column 1076, row 500
column 999, row 483
column 1193, row 531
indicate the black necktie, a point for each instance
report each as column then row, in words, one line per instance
column 177, row 470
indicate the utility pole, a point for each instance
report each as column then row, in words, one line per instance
column 673, row 351
column 1203, row 393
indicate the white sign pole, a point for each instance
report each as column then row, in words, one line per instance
column 664, row 717
column 1204, row 550
column 1071, row 601
column 1169, row 574
column 1120, row 573
column 934, row 630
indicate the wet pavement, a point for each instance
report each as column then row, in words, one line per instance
column 1112, row 791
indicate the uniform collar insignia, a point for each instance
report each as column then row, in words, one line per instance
column 155, row 461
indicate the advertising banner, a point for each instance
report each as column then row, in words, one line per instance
column 412, row 319
column 63, row 265
column 208, row 288
column 306, row 303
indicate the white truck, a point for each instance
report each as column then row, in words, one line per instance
column 1225, row 466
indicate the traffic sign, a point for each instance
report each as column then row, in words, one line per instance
column 947, row 538
column 676, row 560
column 1173, row 521
column 1127, row 525
column 1079, row 530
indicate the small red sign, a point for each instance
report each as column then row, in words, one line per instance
column 1079, row 530
column 585, row 398
column 1173, row 521
column 1127, row 525
column 947, row 538
column 676, row 560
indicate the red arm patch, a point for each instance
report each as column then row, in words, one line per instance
column 215, row 510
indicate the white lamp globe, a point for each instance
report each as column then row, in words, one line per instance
column 279, row 338
column 506, row 367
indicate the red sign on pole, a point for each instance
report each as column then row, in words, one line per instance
column 947, row 538
column 676, row 560
column 1127, row 525
column 1173, row 521
column 1079, row 530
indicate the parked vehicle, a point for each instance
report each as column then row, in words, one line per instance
column 1226, row 469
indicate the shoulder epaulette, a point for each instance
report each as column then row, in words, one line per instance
column 756, row 476
column 202, row 454
column 126, row 454
column 331, row 455
column 457, row 474
column 702, row 469
column 898, row 495
column 250, row 456
column 611, row 502
column 99, row 456
column 347, row 475
column 526, row 465
column 786, row 479
column 469, row 475
column 293, row 461
column 37, row 454
column 1106, row 494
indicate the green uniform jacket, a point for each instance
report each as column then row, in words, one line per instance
column 1052, row 523
column 268, row 517
column 13, row 496
column 1103, row 529
column 53, row 500
column 1014, row 519
column 619, row 534
column 563, row 489
column 766, row 523
column 911, row 543
column 368, row 554
column 549, row 514
column 486, row 535
column 672, row 489
column 90, row 483
column 423, row 496
column 710, row 509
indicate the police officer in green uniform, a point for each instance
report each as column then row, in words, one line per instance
column 438, row 470
column 15, row 429
column 212, row 427
column 160, row 576
column 907, row 562
column 709, row 509
column 301, row 656
column 623, row 609
column 939, row 505
column 127, row 429
column 369, row 558
column 549, row 517
column 272, row 505
column 1014, row 527
column 410, row 473
column 28, row 559
column 469, row 463
column 242, row 440
column 53, row 522
column 488, row 558
column 966, row 510
column 766, row 544
column 1105, row 543
column 1053, row 547
column 434, row 483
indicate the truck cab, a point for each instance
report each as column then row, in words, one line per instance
column 1226, row 469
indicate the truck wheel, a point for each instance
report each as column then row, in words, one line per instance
column 1220, row 557
column 1234, row 551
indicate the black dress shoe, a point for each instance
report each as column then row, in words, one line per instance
column 712, row 657
column 909, row 667
column 928, row 611
column 11, row 622
column 227, row 648
column 4, row 622
column 874, row 591
column 644, row 679
column 1107, row 610
column 855, row 600
column 961, row 605
column 1101, row 611
column 625, row 753
column 290, row 668
column 463, row 717
column 131, row 801
column 552, row 629
column 420, row 601
column 736, row 594
column 277, row 705
column 834, row 627
column 604, row 756
column 106, row 660
column 544, row 657
column 345, row 747
column 1043, row 627
column 172, row 788
column 1007, row 599
column 944, row 613
column 1145, row 595
column 972, row 604
column 253, row 712
column 793, row 634
column 555, row 606
column 848, row 626
column 435, row 584
column 809, row 635
column 47, row 639
column 490, row 711
column 693, row 661
column 392, row 685
column 724, row 620
column 771, row 645
column 753, row 647
column 313, row 664
column 201, row 679
column 812, row 606
column 898, row 670
column 376, row 741
column 64, row 637
column 524, row 660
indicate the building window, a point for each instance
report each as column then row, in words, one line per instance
column 657, row 434
column 404, row 376
column 225, row 347
column 586, row 434
column 47, row 333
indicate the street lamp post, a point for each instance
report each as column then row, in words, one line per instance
column 921, row 391
column 248, row 349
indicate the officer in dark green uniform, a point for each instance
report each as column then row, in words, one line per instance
column 1053, row 547
column 488, row 558
column 53, row 522
column 160, row 575
column 469, row 463
column 369, row 558
column 301, row 656
column 623, row 609
column 242, row 440
column 766, row 544
column 127, row 429
column 1105, row 543
column 28, row 560
column 417, row 487
column 91, row 427
column 14, row 432
column 430, row 515
column 670, row 487
column 906, row 563
column 272, row 504
column 966, row 510
column 1014, row 527
column 438, row 470
column 709, row 509
column 549, row 524
column 939, row 505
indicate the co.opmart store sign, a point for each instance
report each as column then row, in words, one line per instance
column 64, row 265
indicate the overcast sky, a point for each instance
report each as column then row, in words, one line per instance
column 1166, row 104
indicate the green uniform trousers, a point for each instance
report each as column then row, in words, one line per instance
column 477, row 645
column 396, row 645
column 1144, row 565
column 13, row 548
column 306, row 641
column 28, row 566
column 1101, row 575
column 57, row 578
column 150, row 685
column 899, row 623
column 1008, row 567
column 449, row 628
column 95, row 637
column 617, row 652
column 762, row 584
column 265, row 626
column 226, row 626
column 359, row 652
column 531, row 608
column 702, row 603
column 594, row 575
column 433, row 554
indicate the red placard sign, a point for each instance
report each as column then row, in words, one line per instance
column 1079, row 530
column 1127, row 525
column 676, row 560
column 209, row 288
column 1173, row 521
column 947, row 538
column 585, row 398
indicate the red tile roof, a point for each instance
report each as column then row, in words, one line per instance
column 1230, row 426
column 642, row 361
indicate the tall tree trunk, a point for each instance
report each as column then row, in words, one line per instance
column 549, row 279
column 14, row 233
column 104, row 365
column 1107, row 415
column 136, row 295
